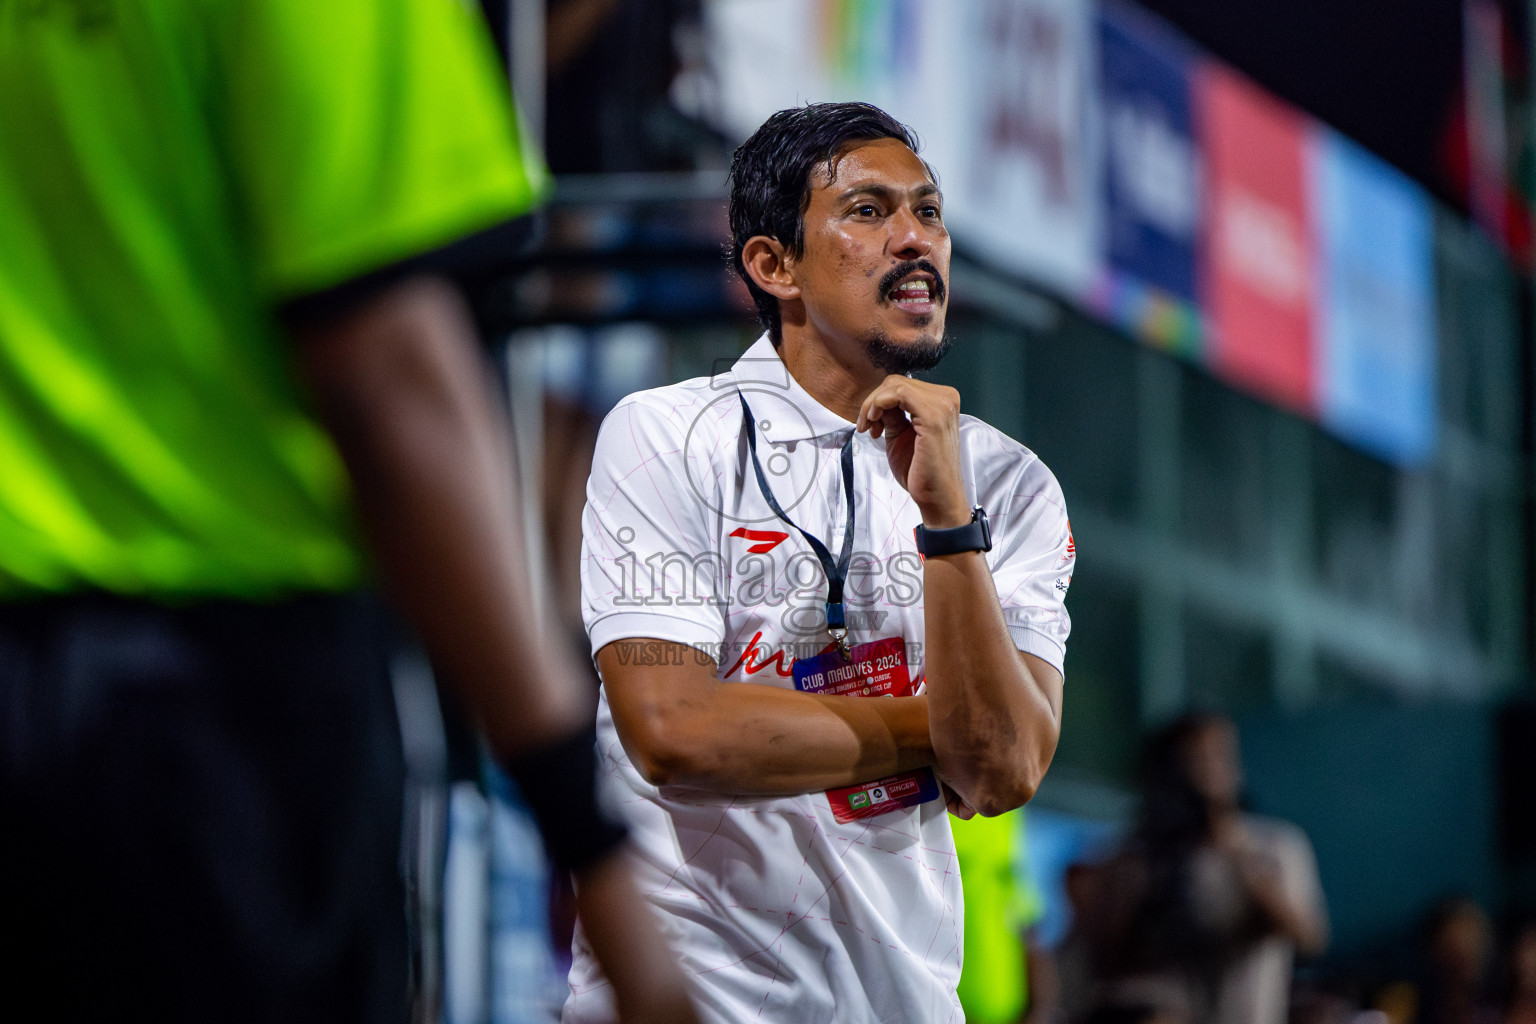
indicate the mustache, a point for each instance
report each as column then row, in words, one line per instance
column 909, row 267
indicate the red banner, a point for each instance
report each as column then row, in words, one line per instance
column 1257, row 275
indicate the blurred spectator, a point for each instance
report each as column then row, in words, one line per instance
column 1518, row 1002
column 1457, row 955
column 1201, row 911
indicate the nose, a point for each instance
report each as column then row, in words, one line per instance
column 911, row 238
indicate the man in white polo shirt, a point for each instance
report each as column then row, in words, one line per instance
column 768, row 548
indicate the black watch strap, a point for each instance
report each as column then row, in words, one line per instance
column 975, row 535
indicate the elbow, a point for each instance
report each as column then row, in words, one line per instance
column 658, row 763
column 997, row 782
column 995, row 764
column 661, row 752
column 1000, row 798
column 1002, row 787
column 653, row 769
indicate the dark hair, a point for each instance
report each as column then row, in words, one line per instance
column 1174, row 816
column 771, row 178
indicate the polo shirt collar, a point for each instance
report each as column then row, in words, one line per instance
column 760, row 369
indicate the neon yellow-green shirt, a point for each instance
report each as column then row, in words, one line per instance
column 999, row 907
column 171, row 173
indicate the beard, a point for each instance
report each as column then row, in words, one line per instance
column 925, row 352
column 913, row 357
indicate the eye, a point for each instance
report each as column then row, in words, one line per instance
column 930, row 211
column 866, row 210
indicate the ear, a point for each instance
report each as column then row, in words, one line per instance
column 768, row 264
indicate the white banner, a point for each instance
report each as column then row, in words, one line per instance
column 1000, row 92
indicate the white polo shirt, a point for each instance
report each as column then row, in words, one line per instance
column 779, row 910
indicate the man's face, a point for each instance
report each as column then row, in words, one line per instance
column 874, row 276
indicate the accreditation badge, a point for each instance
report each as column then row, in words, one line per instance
column 875, row 669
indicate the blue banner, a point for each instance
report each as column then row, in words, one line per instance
column 1152, row 176
column 1376, row 381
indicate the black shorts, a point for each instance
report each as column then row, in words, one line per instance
column 201, row 811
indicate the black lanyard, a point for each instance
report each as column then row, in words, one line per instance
column 837, row 572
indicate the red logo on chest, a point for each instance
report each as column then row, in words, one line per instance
column 756, row 657
column 766, row 540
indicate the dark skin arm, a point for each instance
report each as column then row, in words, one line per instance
column 994, row 711
column 1044, row 984
column 681, row 726
column 401, row 388
column 399, row 384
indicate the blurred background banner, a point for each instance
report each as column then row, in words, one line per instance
column 1001, row 92
column 1020, row 169
column 1152, row 182
column 1257, row 255
column 1375, row 284
column 1217, row 203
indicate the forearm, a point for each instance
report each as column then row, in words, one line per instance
column 647, row 983
column 404, row 395
column 993, row 721
column 993, row 712
column 1044, row 984
column 761, row 740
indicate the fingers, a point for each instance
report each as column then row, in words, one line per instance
column 880, row 401
column 894, row 394
column 916, row 402
column 890, row 423
column 956, row 803
column 960, row 809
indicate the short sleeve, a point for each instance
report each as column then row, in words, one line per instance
column 361, row 134
column 1032, row 558
column 650, row 566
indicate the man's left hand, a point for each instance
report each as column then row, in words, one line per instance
column 921, row 425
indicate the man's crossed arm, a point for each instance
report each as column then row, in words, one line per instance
column 681, row 725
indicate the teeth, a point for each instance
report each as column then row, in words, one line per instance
column 913, row 289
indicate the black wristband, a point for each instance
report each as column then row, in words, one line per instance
column 559, row 785
column 975, row 535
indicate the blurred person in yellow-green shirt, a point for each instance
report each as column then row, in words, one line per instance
column 239, row 390
column 1005, row 978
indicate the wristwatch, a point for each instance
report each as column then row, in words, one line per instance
column 975, row 535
